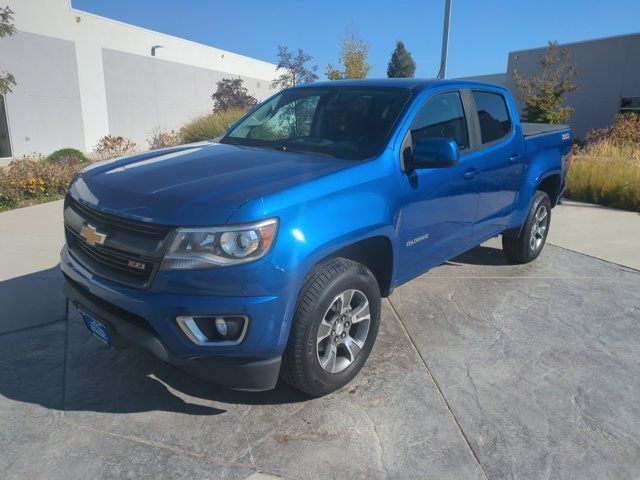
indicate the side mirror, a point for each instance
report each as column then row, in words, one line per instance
column 435, row 152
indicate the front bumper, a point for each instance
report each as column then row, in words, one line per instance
column 146, row 319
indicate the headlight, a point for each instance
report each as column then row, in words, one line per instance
column 209, row 247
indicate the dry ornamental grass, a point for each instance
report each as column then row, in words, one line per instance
column 209, row 126
column 606, row 173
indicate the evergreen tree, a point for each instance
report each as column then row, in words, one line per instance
column 401, row 64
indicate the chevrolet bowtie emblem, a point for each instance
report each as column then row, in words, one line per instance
column 91, row 235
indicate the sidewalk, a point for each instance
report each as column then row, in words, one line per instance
column 601, row 232
column 30, row 242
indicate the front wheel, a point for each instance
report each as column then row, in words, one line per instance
column 334, row 327
column 527, row 246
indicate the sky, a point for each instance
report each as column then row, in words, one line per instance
column 482, row 31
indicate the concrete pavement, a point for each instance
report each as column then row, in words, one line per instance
column 30, row 242
column 601, row 232
column 481, row 370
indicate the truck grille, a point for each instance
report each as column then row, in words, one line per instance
column 131, row 253
column 94, row 216
column 115, row 259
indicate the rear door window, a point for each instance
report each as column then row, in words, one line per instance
column 493, row 116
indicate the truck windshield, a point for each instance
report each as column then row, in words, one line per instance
column 344, row 122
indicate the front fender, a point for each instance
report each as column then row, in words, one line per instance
column 322, row 216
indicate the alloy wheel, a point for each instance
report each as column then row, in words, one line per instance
column 343, row 331
column 539, row 228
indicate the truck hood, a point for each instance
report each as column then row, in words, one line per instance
column 199, row 184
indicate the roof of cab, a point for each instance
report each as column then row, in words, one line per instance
column 415, row 84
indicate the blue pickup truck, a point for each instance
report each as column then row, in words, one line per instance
column 265, row 253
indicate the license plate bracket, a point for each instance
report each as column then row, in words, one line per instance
column 99, row 329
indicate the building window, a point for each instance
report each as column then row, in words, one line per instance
column 630, row 104
column 5, row 141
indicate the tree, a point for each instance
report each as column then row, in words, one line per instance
column 543, row 92
column 7, row 29
column 294, row 69
column 231, row 94
column 401, row 64
column 353, row 57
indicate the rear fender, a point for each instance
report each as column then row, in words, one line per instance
column 544, row 156
column 534, row 176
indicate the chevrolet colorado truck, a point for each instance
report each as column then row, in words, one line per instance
column 265, row 253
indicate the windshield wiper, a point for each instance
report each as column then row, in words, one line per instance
column 286, row 148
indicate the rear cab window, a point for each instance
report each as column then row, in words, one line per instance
column 493, row 116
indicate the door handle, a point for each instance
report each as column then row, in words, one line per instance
column 515, row 158
column 469, row 174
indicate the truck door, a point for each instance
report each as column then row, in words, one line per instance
column 436, row 220
column 500, row 163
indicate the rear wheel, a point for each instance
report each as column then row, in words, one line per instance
column 334, row 328
column 527, row 246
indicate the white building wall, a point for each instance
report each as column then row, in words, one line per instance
column 143, row 93
column 44, row 111
column 91, row 36
column 92, row 92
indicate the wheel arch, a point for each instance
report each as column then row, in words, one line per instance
column 374, row 252
column 548, row 182
column 551, row 186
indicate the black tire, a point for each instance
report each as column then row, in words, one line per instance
column 300, row 364
column 522, row 249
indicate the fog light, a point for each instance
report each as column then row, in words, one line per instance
column 214, row 330
column 221, row 327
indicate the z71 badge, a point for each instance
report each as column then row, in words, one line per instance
column 138, row 265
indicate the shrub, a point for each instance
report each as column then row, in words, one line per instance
column 111, row 146
column 230, row 94
column 163, row 139
column 606, row 173
column 625, row 130
column 211, row 125
column 28, row 180
column 67, row 154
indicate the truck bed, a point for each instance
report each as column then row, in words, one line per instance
column 531, row 129
column 549, row 147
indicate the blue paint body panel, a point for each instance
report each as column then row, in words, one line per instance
column 323, row 205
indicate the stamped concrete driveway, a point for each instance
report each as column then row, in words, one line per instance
column 481, row 370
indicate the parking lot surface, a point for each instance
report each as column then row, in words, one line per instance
column 481, row 370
